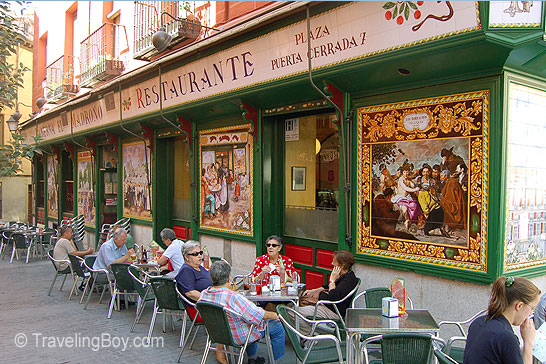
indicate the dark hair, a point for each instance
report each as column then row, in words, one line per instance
column 274, row 237
column 388, row 192
column 64, row 229
column 427, row 166
column 507, row 290
column 436, row 167
column 345, row 259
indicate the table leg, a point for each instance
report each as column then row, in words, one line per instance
column 268, row 343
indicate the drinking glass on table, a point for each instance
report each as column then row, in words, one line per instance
column 246, row 283
column 253, row 288
column 259, row 283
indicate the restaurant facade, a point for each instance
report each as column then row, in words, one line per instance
column 408, row 133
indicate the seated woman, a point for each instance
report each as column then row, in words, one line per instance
column 342, row 281
column 193, row 278
column 491, row 338
column 263, row 267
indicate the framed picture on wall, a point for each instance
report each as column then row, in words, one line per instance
column 298, row 178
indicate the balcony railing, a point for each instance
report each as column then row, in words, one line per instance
column 100, row 54
column 148, row 20
column 59, row 83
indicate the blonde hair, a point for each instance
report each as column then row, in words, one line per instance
column 507, row 290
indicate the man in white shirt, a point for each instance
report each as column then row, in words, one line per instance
column 173, row 254
column 65, row 246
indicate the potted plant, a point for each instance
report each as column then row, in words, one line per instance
column 190, row 27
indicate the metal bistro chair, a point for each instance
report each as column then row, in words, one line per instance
column 401, row 347
column 340, row 321
column 144, row 290
column 58, row 272
column 196, row 321
column 166, row 303
column 21, row 242
column 215, row 318
column 442, row 357
column 76, row 264
column 309, row 352
column 123, row 285
column 457, row 352
column 102, row 274
column 7, row 241
column 373, row 297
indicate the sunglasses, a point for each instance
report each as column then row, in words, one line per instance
column 196, row 253
column 269, row 245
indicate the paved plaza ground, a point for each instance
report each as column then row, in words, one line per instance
column 37, row 328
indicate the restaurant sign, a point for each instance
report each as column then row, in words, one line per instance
column 346, row 33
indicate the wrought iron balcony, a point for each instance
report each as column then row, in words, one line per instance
column 100, row 54
column 148, row 20
column 59, row 83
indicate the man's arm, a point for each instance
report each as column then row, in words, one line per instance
column 82, row 253
column 124, row 258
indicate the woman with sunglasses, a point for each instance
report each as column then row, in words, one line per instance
column 270, row 263
column 193, row 278
column 491, row 338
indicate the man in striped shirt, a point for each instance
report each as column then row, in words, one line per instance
column 220, row 294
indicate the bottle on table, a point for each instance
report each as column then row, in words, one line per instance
column 282, row 274
column 144, row 256
column 206, row 258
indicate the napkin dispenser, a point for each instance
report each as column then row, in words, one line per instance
column 389, row 307
column 275, row 282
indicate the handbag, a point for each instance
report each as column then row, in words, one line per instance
column 309, row 299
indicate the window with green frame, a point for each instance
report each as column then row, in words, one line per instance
column 525, row 236
column 182, row 191
column 311, row 178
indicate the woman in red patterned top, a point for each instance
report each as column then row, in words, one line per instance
column 269, row 264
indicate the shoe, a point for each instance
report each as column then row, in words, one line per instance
column 258, row 360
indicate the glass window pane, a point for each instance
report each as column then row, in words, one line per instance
column 525, row 239
column 311, row 177
column 182, row 202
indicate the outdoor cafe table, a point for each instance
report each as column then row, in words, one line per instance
column 278, row 296
column 369, row 321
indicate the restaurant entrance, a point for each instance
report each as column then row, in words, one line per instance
column 301, row 189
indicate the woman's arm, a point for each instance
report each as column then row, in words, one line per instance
column 338, row 291
column 528, row 332
column 194, row 295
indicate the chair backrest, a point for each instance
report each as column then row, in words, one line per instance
column 53, row 260
column 290, row 327
column 216, row 321
column 373, row 296
column 443, row 358
column 406, row 347
column 141, row 286
column 124, row 282
column 20, row 241
column 89, row 261
column 76, row 263
column 165, row 293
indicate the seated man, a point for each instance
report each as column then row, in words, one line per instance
column 129, row 244
column 220, row 294
column 173, row 254
column 113, row 251
column 65, row 246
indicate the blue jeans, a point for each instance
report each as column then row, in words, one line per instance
column 276, row 333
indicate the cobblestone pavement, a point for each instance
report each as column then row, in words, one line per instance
column 36, row 328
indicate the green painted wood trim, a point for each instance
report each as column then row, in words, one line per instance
column 257, row 200
column 194, row 170
column 495, row 225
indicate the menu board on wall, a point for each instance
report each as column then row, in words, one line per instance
column 86, row 188
column 423, row 168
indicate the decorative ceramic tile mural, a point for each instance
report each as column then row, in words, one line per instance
column 52, row 187
column 86, row 186
column 137, row 174
column 422, row 173
column 226, row 179
column 525, row 229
